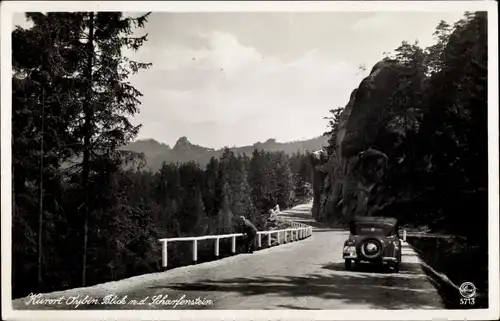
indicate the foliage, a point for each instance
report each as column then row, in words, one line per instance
column 436, row 133
column 84, row 210
column 333, row 128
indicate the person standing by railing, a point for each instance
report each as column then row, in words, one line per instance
column 250, row 232
column 274, row 212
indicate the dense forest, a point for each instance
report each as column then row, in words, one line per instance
column 85, row 211
column 439, row 170
column 433, row 128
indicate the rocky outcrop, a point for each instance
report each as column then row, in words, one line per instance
column 344, row 181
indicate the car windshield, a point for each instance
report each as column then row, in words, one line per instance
column 372, row 229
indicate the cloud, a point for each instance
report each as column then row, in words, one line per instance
column 229, row 88
column 374, row 23
column 395, row 27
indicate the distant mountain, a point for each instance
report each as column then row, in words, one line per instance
column 156, row 153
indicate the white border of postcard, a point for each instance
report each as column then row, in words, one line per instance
column 10, row 7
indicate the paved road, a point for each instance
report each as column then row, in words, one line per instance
column 302, row 275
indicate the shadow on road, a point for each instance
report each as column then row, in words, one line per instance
column 293, row 307
column 375, row 291
column 372, row 268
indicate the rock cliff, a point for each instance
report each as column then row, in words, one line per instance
column 344, row 181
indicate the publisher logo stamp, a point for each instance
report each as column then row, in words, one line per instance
column 468, row 293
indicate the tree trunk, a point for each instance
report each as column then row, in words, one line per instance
column 87, row 142
column 40, row 199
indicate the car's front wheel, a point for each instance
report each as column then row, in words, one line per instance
column 348, row 265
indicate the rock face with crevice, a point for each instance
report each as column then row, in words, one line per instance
column 344, row 181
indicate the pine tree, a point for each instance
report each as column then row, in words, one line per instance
column 284, row 180
column 85, row 71
column 191, row 208
column 225, row 216
column 333, row 126
column 234, row 174
column 259, row 180
column 42, row 112
column 212, row 188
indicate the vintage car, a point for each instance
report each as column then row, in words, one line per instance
column 375, row 240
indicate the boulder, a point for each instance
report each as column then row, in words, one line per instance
column 344, row 180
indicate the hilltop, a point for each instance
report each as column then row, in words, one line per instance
column 183, row 151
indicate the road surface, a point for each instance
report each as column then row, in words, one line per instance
column 308, row 274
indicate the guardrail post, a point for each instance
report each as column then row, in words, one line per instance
column 164, row 253
column 217, row 247
column 195, row 251
column 269, row 239
column 259, row 240
column 278, row 238
column 233, row 245
column 404, row 235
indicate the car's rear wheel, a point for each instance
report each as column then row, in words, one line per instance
column 348, row 265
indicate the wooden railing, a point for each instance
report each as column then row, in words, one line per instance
column 298, row 231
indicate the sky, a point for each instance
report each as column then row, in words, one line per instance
column 233, row 79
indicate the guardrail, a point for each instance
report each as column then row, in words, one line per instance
column 298, row 231
column 429, row 235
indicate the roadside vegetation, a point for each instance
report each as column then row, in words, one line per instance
column 85, row 211
column 437, row 175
